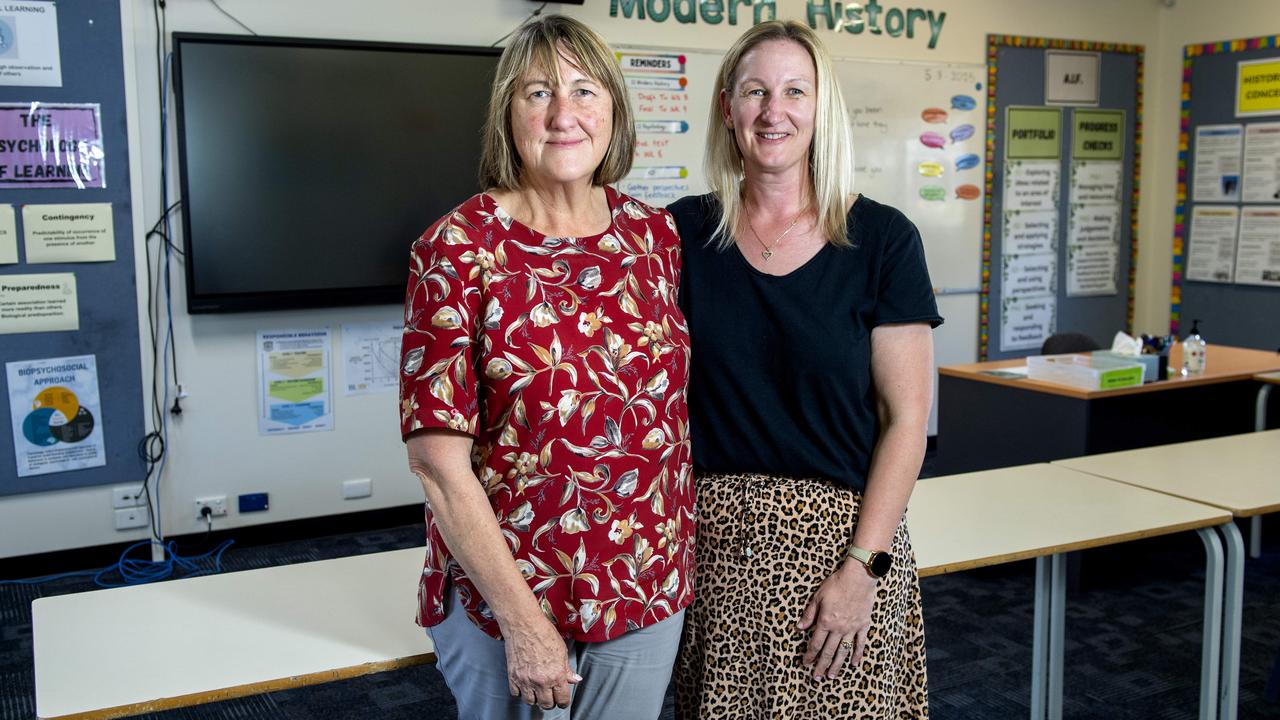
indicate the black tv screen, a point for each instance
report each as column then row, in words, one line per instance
column 309, row 166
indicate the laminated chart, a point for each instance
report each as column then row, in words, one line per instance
column 295, row 392
column 56, row 414
column 668, row 140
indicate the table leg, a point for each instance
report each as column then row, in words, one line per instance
column 1255, row 537
column 1259, row 424
column 1040, row 640
column 1229, row 696
column 1211, row 646
column 1057, row 623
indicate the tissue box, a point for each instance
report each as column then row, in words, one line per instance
column 1150, row 363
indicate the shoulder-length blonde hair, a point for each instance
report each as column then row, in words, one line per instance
column 830, row 153
column 538, row 44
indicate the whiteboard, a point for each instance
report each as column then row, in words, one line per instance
column 919, row 134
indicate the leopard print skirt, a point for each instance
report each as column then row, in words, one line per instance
column 765, row 544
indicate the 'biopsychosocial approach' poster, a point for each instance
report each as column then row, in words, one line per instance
column 294, row 388
column 57, row 415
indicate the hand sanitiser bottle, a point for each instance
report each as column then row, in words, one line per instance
column 1193, row 351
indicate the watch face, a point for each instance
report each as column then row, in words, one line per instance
column 880, row 564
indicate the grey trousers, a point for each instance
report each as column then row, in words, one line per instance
column 622, row 679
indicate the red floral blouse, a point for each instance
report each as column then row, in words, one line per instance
column 567, row 360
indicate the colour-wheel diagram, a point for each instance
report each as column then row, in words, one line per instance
column 57, row 416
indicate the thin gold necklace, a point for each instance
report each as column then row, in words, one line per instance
column 767, row 251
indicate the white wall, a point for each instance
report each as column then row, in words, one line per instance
column 215, row 448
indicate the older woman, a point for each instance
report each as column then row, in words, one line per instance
column 810, row 310
column 544, row 367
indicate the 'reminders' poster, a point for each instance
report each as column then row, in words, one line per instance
column 57, row 415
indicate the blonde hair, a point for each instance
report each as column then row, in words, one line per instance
column 830, row 153
column 539, row 44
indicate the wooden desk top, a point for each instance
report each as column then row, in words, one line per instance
column 125, row 651
column 1222, row 364
column 1240, row 473
column 961, row 522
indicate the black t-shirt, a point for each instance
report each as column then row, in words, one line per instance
column 780, row 381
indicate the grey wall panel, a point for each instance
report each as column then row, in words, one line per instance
column 1229, row 314
column 1020, row 80
column 92, row 72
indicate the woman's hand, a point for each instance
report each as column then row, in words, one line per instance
column 538, row 664
column 840, row 614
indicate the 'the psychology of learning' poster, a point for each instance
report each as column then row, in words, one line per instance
column 294, row 389
column 57, row 415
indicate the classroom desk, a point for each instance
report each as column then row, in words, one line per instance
column 218, row 637
column 1268, row 380
column 127, row 651
column 1236, row 473
column 961, row 522
column 987, row 422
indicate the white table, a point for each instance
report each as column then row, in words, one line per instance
column 1239, row 473
column 113, row 653
column 126, row 651
column 1267, row 380
column 960, row 522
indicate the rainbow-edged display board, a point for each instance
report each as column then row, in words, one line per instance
column 1226, row 233
column 1056, row 299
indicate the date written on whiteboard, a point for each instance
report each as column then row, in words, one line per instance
column 949, row 75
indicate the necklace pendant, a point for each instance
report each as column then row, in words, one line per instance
column 767, row 254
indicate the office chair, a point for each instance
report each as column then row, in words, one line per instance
column 1059, row 343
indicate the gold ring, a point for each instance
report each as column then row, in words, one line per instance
column 846, row 645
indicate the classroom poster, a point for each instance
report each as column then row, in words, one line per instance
column 51, row 145
column 1031, row 185
column 1211, row 253
column 1258, row 255
column 1096, row 182
column 1071, row 77
column 371, row 353
column 38, row 303
column 1033, row 133
column 56, row 414
column 1097, row 135
column 8, row 235
column 1029, row 275
column 1262, row 162
column 1025, row 323
column 1258, row 87
column 667, row 127
column 79, row 232
column 1217, row 163
column 29, row 53
column 1093, row 224
column 1029, row 232
column 1091, row 269
column 294, row 385
column 1093, row 250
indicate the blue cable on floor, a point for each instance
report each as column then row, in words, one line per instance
column 141, row 572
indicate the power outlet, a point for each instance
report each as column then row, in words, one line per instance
column 358, row 488
column 127, row 496
column 217, row 505
column 134, row 517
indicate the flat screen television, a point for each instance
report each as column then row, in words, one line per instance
column 308, row 167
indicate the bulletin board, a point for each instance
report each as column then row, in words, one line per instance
column 918, row 144
column 1226, row 272
column 1069, row 264
column 90, row 56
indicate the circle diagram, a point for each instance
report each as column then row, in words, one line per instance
column 57, row 416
